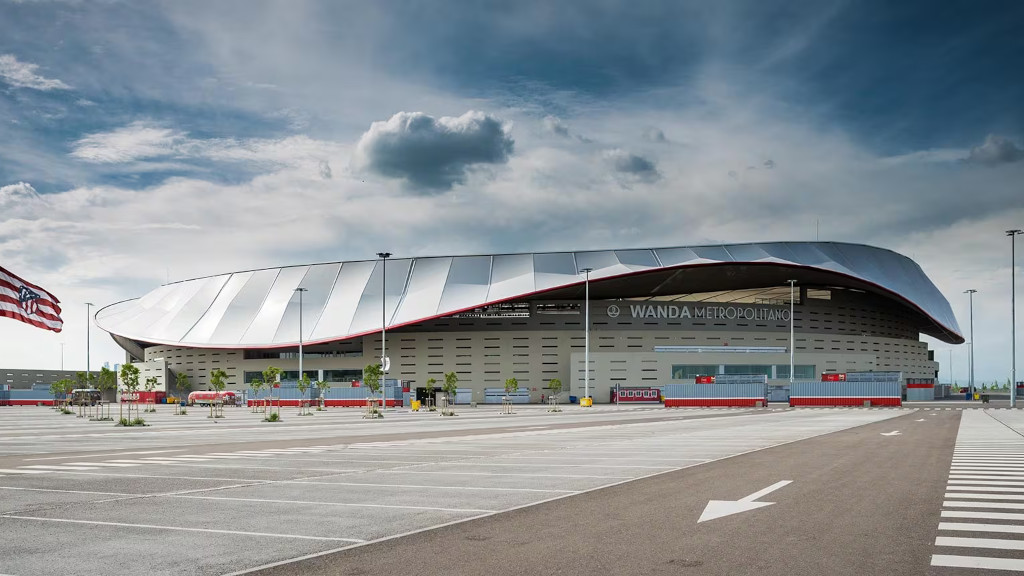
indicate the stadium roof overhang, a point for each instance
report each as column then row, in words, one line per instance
column 259, row 308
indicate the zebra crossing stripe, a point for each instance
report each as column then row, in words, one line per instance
column 972, row 527
column 996, row 543
column 6, row 471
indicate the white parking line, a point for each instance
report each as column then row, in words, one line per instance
column 58, row 467
column 424, row 487
column 103, row 464
column 181, row 528
column 502, row 474
column 66, row 491
column 101, row 455
column 345, row 504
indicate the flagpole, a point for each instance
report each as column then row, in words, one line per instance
column 88, row 326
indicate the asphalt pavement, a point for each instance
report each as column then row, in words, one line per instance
column 861, row 501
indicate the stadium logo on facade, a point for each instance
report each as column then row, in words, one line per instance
column 707, row 312
column 613, row 311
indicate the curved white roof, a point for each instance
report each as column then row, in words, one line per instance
column 259, row 308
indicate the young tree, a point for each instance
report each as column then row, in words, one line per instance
column 430, row 393
column 256, row 384
column 270, row 380
column 303, row 384
column 511, row 386
column 371, row 378
column 451, row 385
column 217, row 377
column 130, row 380
column 84, row 379
column 107, row 379
column 556, row 388
column 150, row 385
column 183, row 384
column 324, row 387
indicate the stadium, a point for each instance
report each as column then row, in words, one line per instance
column 656, row 317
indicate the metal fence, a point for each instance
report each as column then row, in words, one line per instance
column 886, row 393
column 716, row 394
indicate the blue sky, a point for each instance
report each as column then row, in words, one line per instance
column 137, row 134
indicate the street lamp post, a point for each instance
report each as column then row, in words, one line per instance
column 792, row 339
column 970, row 348
column 383, row 326
column 586, row 336
column 88, row 329
column 300, row 291
column 1013, row 318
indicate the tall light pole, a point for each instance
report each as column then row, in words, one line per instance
column 951, row 378
column 383, row 325
column 792, row 339
column 62, row 356
column 1013, row 318
column 88, row 329
column 586, row 333
column 970, row 347
column 300, row 290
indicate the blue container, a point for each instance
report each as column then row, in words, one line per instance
column 573, row 399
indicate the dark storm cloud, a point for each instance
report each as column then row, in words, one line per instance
column 434, row 153
column 996, row 150
column 632, row 164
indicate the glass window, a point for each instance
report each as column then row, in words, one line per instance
column 250, row 376
column 688, row 371
column 342, row 375
column 803, row 371
column 293, row 375
column 765, row 369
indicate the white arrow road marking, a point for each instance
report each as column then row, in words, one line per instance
column 720, row 508
column 893, row 433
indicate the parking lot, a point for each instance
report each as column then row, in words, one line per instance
column 190, row 495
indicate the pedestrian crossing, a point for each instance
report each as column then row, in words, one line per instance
column 151, row 460
column 982, row 519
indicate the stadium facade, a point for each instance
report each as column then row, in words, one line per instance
column 657, row 316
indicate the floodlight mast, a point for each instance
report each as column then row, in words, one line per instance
column 383, row 325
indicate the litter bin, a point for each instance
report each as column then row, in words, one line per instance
column 977, row 396
column 585, row 402
column 573, row 399
column 984, row 398
column 415, row 405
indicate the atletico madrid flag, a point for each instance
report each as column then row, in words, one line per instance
column 29, row 303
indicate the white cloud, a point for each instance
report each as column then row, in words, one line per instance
column 139, row 140
column 23, row 75
column 148, row 145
